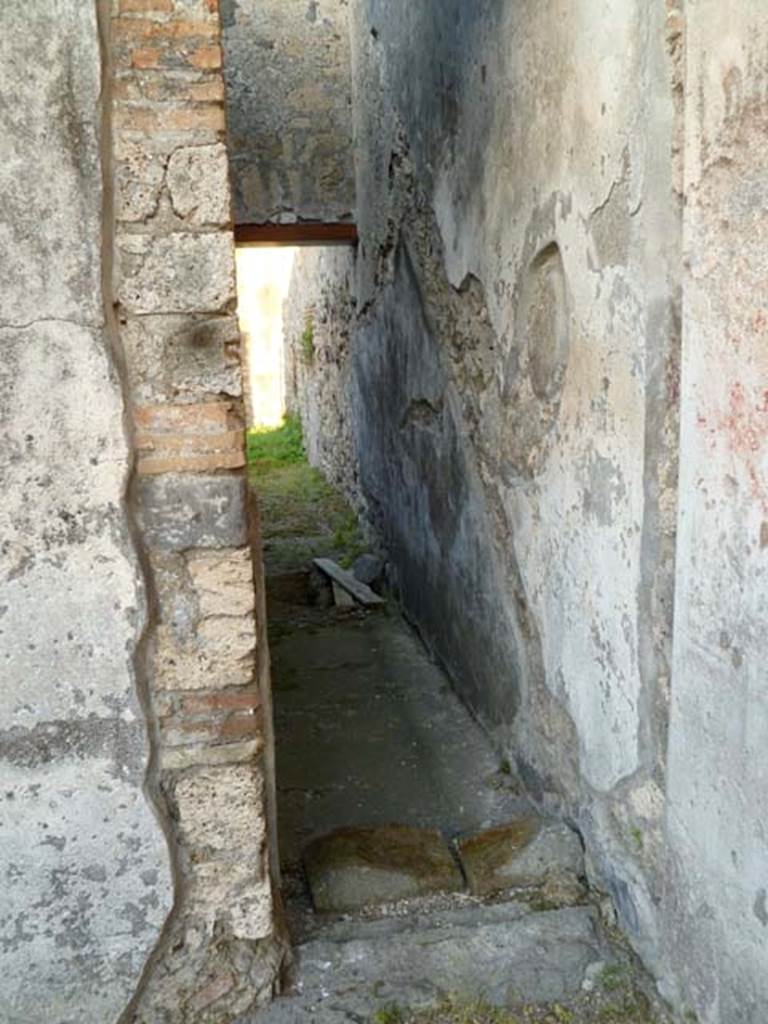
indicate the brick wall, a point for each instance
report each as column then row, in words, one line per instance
column 205, row 660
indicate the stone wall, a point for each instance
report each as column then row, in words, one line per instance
column 205, row 654
column 86, row 878
column 318, row 318
column 136, row 743
column 287, row 65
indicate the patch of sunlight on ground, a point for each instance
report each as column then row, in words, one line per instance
column 263, row 277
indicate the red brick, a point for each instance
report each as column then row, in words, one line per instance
column 194, row 417
column 201, row 92
column 155, row 465
column 146, row 29
column 147, row 57
column 146, row 6
column 239, row 727
column 208, row 57
column 152, row 120
column 233, row 700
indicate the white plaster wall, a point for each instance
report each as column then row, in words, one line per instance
column 717, row 823
column 84, row 867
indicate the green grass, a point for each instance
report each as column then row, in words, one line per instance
column 450, row 1011
column 282, row 445
column 300, row 511
column 624, row 1006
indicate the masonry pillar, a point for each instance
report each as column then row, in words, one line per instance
column 205, row 658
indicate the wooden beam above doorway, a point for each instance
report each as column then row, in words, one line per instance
column 303, row 233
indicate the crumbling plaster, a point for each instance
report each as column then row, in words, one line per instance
column 563, row 198
column 523, row 173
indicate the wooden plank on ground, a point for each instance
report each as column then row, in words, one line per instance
column 361, row 593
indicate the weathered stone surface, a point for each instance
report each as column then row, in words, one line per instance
column 220, row 957
column 715, row 911
column 224, row 582
column 359, row 867
column 221, row 655
column 502, row 954
column 287, row 68
column 139, row 178
column 51, row 225
column 179, row 512
column 524, row 853
column 83, row 859
column 182, row 358
column 321, row 295
column 176, row 273
column 198, row 184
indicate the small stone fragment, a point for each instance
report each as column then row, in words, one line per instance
column 369, row 569
column 353, row 868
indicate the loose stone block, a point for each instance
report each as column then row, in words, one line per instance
column 176, row 273
column 353, row 868
column 198, row 184
column 524, row 853
column 178, row 512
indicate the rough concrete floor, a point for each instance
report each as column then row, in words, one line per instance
column 368, row 732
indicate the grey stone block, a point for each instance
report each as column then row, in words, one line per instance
column 501, row 954
column 178, row 511
column 369, row 569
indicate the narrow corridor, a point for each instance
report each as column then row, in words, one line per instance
column 396, row 818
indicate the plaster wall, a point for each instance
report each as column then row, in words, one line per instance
column 716, row 904
column 289, row 107
column 515, row 370
column 562, row 197
column 85, row 870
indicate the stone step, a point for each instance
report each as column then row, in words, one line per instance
column 504, row 953
column 350, row 869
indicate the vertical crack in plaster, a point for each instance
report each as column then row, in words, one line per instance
column 116, row 358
